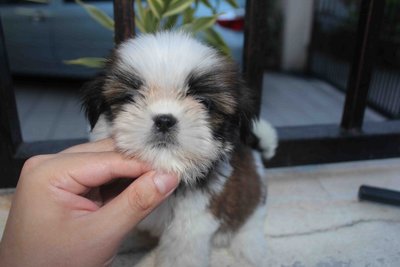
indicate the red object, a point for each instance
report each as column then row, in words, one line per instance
column 235, row 24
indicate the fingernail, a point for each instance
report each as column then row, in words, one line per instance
column 165, row 182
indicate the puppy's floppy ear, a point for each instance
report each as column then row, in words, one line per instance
column 247, row 112
column 93, row 101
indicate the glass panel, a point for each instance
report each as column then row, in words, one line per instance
column 335, row 26
column 39, row 38
column 384, row 94
column 49, row 109
column 318, row 98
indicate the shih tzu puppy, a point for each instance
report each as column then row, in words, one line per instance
column 177, row 104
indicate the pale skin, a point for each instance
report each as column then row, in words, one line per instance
column 55, row 220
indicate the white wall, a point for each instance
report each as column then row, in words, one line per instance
column 297, row 24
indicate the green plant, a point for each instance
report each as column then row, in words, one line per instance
column 156, row 15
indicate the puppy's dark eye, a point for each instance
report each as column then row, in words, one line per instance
column 207, row 103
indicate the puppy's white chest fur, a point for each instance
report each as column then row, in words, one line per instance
column 187, row 205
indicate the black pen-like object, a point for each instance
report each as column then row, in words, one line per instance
column 380, row 195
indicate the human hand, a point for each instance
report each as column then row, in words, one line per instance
column 54, row 222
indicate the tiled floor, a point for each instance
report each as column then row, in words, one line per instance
column 314, row 219
column 294, row 101
column 52, row 111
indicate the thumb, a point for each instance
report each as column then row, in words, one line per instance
column 136, row 202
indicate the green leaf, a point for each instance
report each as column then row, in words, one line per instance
column 140, row 9
column 207, row 3
column 157, row 7
column 139, row 24
column 140, row 16
column 171, row 22
column 90, row 62
column 203, row 23
column 150, row 22
column 188, row 15
column 214, row 39
column 233, row 3
column 98, row 15
column 177, row 6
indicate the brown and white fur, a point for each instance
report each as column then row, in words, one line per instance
column 177, row 104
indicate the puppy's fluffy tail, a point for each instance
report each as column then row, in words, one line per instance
column 267, row 138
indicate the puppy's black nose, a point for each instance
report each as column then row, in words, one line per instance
column 165, row 122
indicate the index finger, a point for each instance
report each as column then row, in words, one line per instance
column 78, row 172
column 102, row 145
